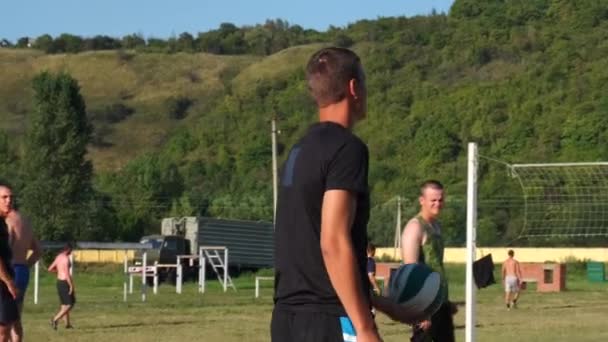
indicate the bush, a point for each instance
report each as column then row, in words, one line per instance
column 342, row 40
column 177, row 107
column 576, row 265
column 114, row 113
column 388, row 258
column 100, row 133
column 124, row 56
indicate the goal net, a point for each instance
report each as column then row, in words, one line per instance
column 558, row 202
column 564, row 199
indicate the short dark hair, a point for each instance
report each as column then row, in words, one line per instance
column 511, row 253
column 5, row 184
column 328, row 72
column 431, row 183
column 67, row 247
column 371, row 247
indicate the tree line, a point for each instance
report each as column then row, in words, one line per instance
column 227, row 39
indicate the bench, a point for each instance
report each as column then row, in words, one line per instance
column 257, row 284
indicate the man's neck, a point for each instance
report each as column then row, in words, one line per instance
column 337, row 113
column 427, row 217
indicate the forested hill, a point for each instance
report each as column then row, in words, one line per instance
column 189, row 133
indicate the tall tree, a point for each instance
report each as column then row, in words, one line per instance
column 57, row 187
column 9, row 168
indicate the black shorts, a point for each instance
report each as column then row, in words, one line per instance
column 9, row 313
column 63, row 290
column 288, row 326
column 442, row 326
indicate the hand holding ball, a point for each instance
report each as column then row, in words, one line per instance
column 417, row 289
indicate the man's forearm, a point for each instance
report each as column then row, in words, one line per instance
column 341, row 267
column 372, row 281
column 33, row 258
column 393, row 310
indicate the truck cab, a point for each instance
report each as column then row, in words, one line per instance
column 164, row 252
column 165, row 249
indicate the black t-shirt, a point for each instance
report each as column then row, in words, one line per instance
column 5, row 248
column 371, row 265
column 328, row 157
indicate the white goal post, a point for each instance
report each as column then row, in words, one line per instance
column 472, row 166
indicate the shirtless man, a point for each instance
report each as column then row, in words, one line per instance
column 9, row 313
column 22, row 240
column 511, row 278
column 65, row 286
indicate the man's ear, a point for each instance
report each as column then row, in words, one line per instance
column 353, row 86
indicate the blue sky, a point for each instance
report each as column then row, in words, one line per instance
column 162, row 19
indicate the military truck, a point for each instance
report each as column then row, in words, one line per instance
column 249, row 243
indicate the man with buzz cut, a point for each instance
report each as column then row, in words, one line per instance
column 322, row 292
column 421, row 242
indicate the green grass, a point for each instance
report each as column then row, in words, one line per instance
column 100, row 315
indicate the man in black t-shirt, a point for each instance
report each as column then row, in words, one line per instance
column 322, row 292
column 321, row 286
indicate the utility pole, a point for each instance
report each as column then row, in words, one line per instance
column 275, row 182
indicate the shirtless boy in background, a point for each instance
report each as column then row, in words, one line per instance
column 65, row 286
column 511, row 278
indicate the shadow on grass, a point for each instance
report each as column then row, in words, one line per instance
column 461, row 327
column 568, row 306
column 139, row 324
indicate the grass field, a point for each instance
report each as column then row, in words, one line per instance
column 578, row 314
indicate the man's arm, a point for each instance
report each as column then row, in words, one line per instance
column 504, row 270
column 36, row 252
column 393, row 310
column 518, row 271
column 372, row 281
column 53, row 267
column 337, row 216
column 411, row 240
column 70, row 283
